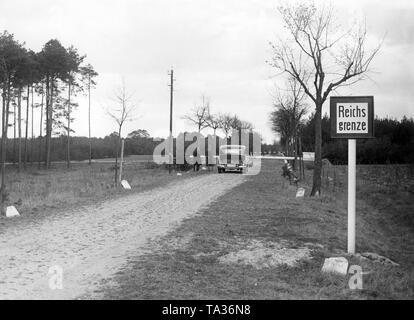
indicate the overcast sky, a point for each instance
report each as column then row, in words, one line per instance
column 217, row 48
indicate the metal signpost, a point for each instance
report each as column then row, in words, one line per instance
column 352, row 118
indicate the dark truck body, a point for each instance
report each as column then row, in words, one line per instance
column 232, row 158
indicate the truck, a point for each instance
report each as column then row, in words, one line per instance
column 232, row 158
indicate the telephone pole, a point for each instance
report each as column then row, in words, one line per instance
column 171, row 147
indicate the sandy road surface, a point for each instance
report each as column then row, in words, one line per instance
column 91, row 244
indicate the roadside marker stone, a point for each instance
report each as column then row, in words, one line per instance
column 300, row 192
column 11, row 211
column 338, row 265
column 125, row 184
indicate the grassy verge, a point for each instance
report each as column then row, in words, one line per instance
column 188, row 263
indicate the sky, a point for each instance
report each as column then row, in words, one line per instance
column 217, row 48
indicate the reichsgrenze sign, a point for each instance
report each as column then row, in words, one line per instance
column 352, row 117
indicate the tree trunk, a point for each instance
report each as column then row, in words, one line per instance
column 295, row 152
column 3, row 153
column 19, row 124
column 40, row 129
column 47, row 119
column 317, row 182
column 68, row 142
column 122, row 160
column 287, row 146
column 49, row 126
column 116, row 156
column 32, row 139
column 14, row 133
column 89, row 114
column 5, row 126
column 301, row 156
column 27, row 127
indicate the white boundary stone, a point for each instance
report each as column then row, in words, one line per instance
column 338, row 265
column 125, row 184
column 300, row 192
column 11, row 211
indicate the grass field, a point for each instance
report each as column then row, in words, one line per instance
column 37, row 192
column 226, row 251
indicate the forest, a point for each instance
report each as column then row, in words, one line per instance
column 47, row 83
column 393, row 142
column 79, row 148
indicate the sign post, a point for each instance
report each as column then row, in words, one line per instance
column 351, row 194
column 352, row 118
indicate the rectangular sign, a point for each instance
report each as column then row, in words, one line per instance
column 308, row 156
column 352, row 117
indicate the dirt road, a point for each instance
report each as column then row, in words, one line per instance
column 92, row 243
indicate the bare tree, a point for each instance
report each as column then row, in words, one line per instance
column 213, row 121
column 199, row 114
column 281, row 122
column 121, row 112
column 226, row 123
column 235, row 122
column 316, row 50
column 229, row 122
column 238, row 124
column 246, row 125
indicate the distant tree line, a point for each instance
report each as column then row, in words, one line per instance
column 273, row 148
column 393, row 143
column 137, row 142
column 202, row 117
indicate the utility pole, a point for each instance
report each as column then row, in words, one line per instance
column 171, row 147
column 89, row 118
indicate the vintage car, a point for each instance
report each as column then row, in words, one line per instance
column 232, row 158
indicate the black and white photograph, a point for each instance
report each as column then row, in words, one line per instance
column 207, row 154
